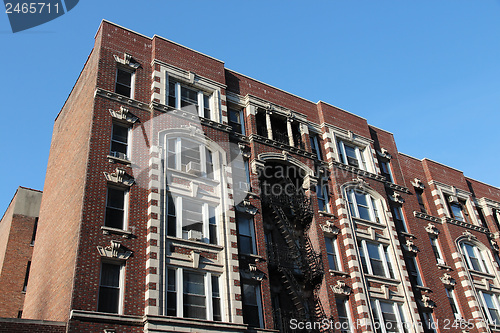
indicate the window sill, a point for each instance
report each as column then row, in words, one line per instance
column 407, row 234
column 112, row 159
column 338, row 273
column 444, row 266
column 198, row 177
column 253, row 257
column 327, row 214
column 369, row 223
column 198, row 244
column 481, row 274
column 115, row 231
column 383, row 278
column 425, row 289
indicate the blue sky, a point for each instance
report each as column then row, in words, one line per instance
column 427, row 71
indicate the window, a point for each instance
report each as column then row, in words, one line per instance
column 187, row 294
column 323, row 198
column 332, row 253
column 190, row 156
column 437, row 250
column 428, row 322
column 191, row 219
column 414, row 270
column 453, row 302
column 237, row 120
column 246, row 234
column 419, row 194
column 316, row 145
column 491, row 306
column 119, row 142
column 397, row 213
column 343, row 313
column 363, row 206
column 474, row 258
column 110, row 288
column 252, row 306
column 115, row 208
column 375, row 259
column 385, row 169
column 388, row 316
column 241, row 174
column 496, row 213
column 458, row 210
column 124, row 82
column 26, row 276
column 480, row 213
column 351, row 155
column 33, row 235
column 189, row 99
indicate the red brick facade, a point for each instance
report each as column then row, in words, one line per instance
column 156, row 256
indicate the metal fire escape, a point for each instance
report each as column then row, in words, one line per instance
column 301, row 267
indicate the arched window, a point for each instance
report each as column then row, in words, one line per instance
column 363, row 206
column 474, row 258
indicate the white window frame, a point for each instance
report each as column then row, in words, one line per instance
column 399, row 210
column 203, row 156
column 335, row 253
column 373, row 206
column 128, row 144
column 496, row 303
column 200, row 99
column 450, row 293
column 179, row 211
column 382, row 254
column 258, row 297
column 322, row 193
column 417, row 270
column 316, row 148
column 347, row 308
column 179, row 292
column 360, row 154
column 479, row 255
column 121, row 284
column 125, row 206
column 398, row 312
column 132, row 80
column 435, row 243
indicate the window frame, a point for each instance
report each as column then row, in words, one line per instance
column 372, row 204
column 436, row 249
column 177, row 155
column 450, row 293
column 258, row 298
column 417, row 274
column 114, row 153
column 178, row 202
column 132, row 80
column 323, row 195
column 399, row 221
column 398, row 312
column 461, row 205
column 388, row 172
column 121, row 283
column 200, row 100
column 207, row 292
column 241, row 119
column 335, row 255
column 252, row 235
column 348, row 318
column 125, row 206
column 316, row 143
column 479, row 256
column 496, row 304
column 385, row 256
column 358, row 151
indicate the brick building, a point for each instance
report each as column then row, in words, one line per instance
column 183, row 196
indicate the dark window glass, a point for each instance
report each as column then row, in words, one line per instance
column 33, row 235
column 26, row 276
column 251, row 307
column 212, row 225
column 171, row 100
column 119, row 141
column 109, row 289
column 115, row 208
column 207, row 113
column 171, row 293
column 171, row 219
column 235, row 120
column 189, row 100
column 216, row 298
column 194, row 295
column 123, row 82
column 419, row 193
column 331, row 253
column 245, row 234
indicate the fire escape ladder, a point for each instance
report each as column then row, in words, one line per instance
column 294, row 290
column 314, row 262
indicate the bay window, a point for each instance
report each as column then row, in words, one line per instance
column 191, row 219
column 375, row 259
column 363, row 206
column 189, row 99
column 193, row 294
column 474, row 258
column 351, row 155
column 190, row 156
